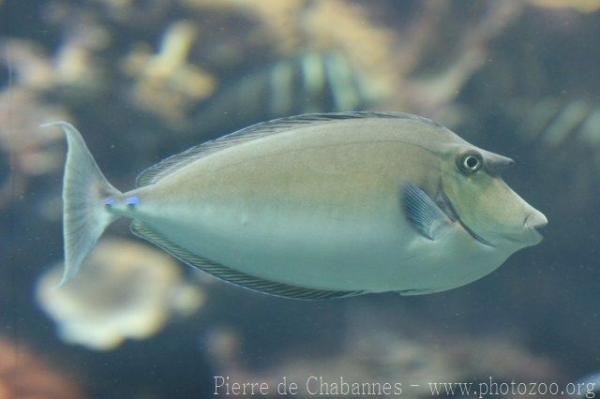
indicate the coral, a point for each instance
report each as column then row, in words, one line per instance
column 72, row 65
column 32, row 151
column 383, row 57
column 296, row 26
column 278, row 18
column 374, row 351
column 125, row 290
column 28, row 63
column 24, row 375
column 169, row 83
column 166, row 83
column 21, row 115
column 24, row 107
column 369, row 46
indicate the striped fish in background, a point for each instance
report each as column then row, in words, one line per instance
column 554, row 122
column 312, row 82
column 563, row 135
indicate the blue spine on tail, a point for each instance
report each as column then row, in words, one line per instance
column 85, row 195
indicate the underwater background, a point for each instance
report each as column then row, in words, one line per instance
column 144, row 79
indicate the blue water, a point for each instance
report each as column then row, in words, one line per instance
column 144, row 80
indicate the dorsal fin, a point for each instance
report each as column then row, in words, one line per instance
column 263, row 129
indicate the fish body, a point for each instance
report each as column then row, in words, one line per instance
column 330, row 205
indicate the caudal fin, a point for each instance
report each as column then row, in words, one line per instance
column 85, row 195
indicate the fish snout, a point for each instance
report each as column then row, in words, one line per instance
column 531, row 223
column 535, row 220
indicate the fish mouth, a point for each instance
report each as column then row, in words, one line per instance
column 535, row 220
column 532, row 223
column 448, row 208
column 529, row 235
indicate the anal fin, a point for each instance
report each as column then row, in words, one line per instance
column 233, row 276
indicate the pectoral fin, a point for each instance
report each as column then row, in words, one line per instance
column 423, row 213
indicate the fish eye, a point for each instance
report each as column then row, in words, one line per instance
column 469, row 163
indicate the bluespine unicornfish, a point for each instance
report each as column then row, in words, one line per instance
column 315, row 206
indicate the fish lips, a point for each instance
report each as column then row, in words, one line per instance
column 532, row 223
column 528, row 234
